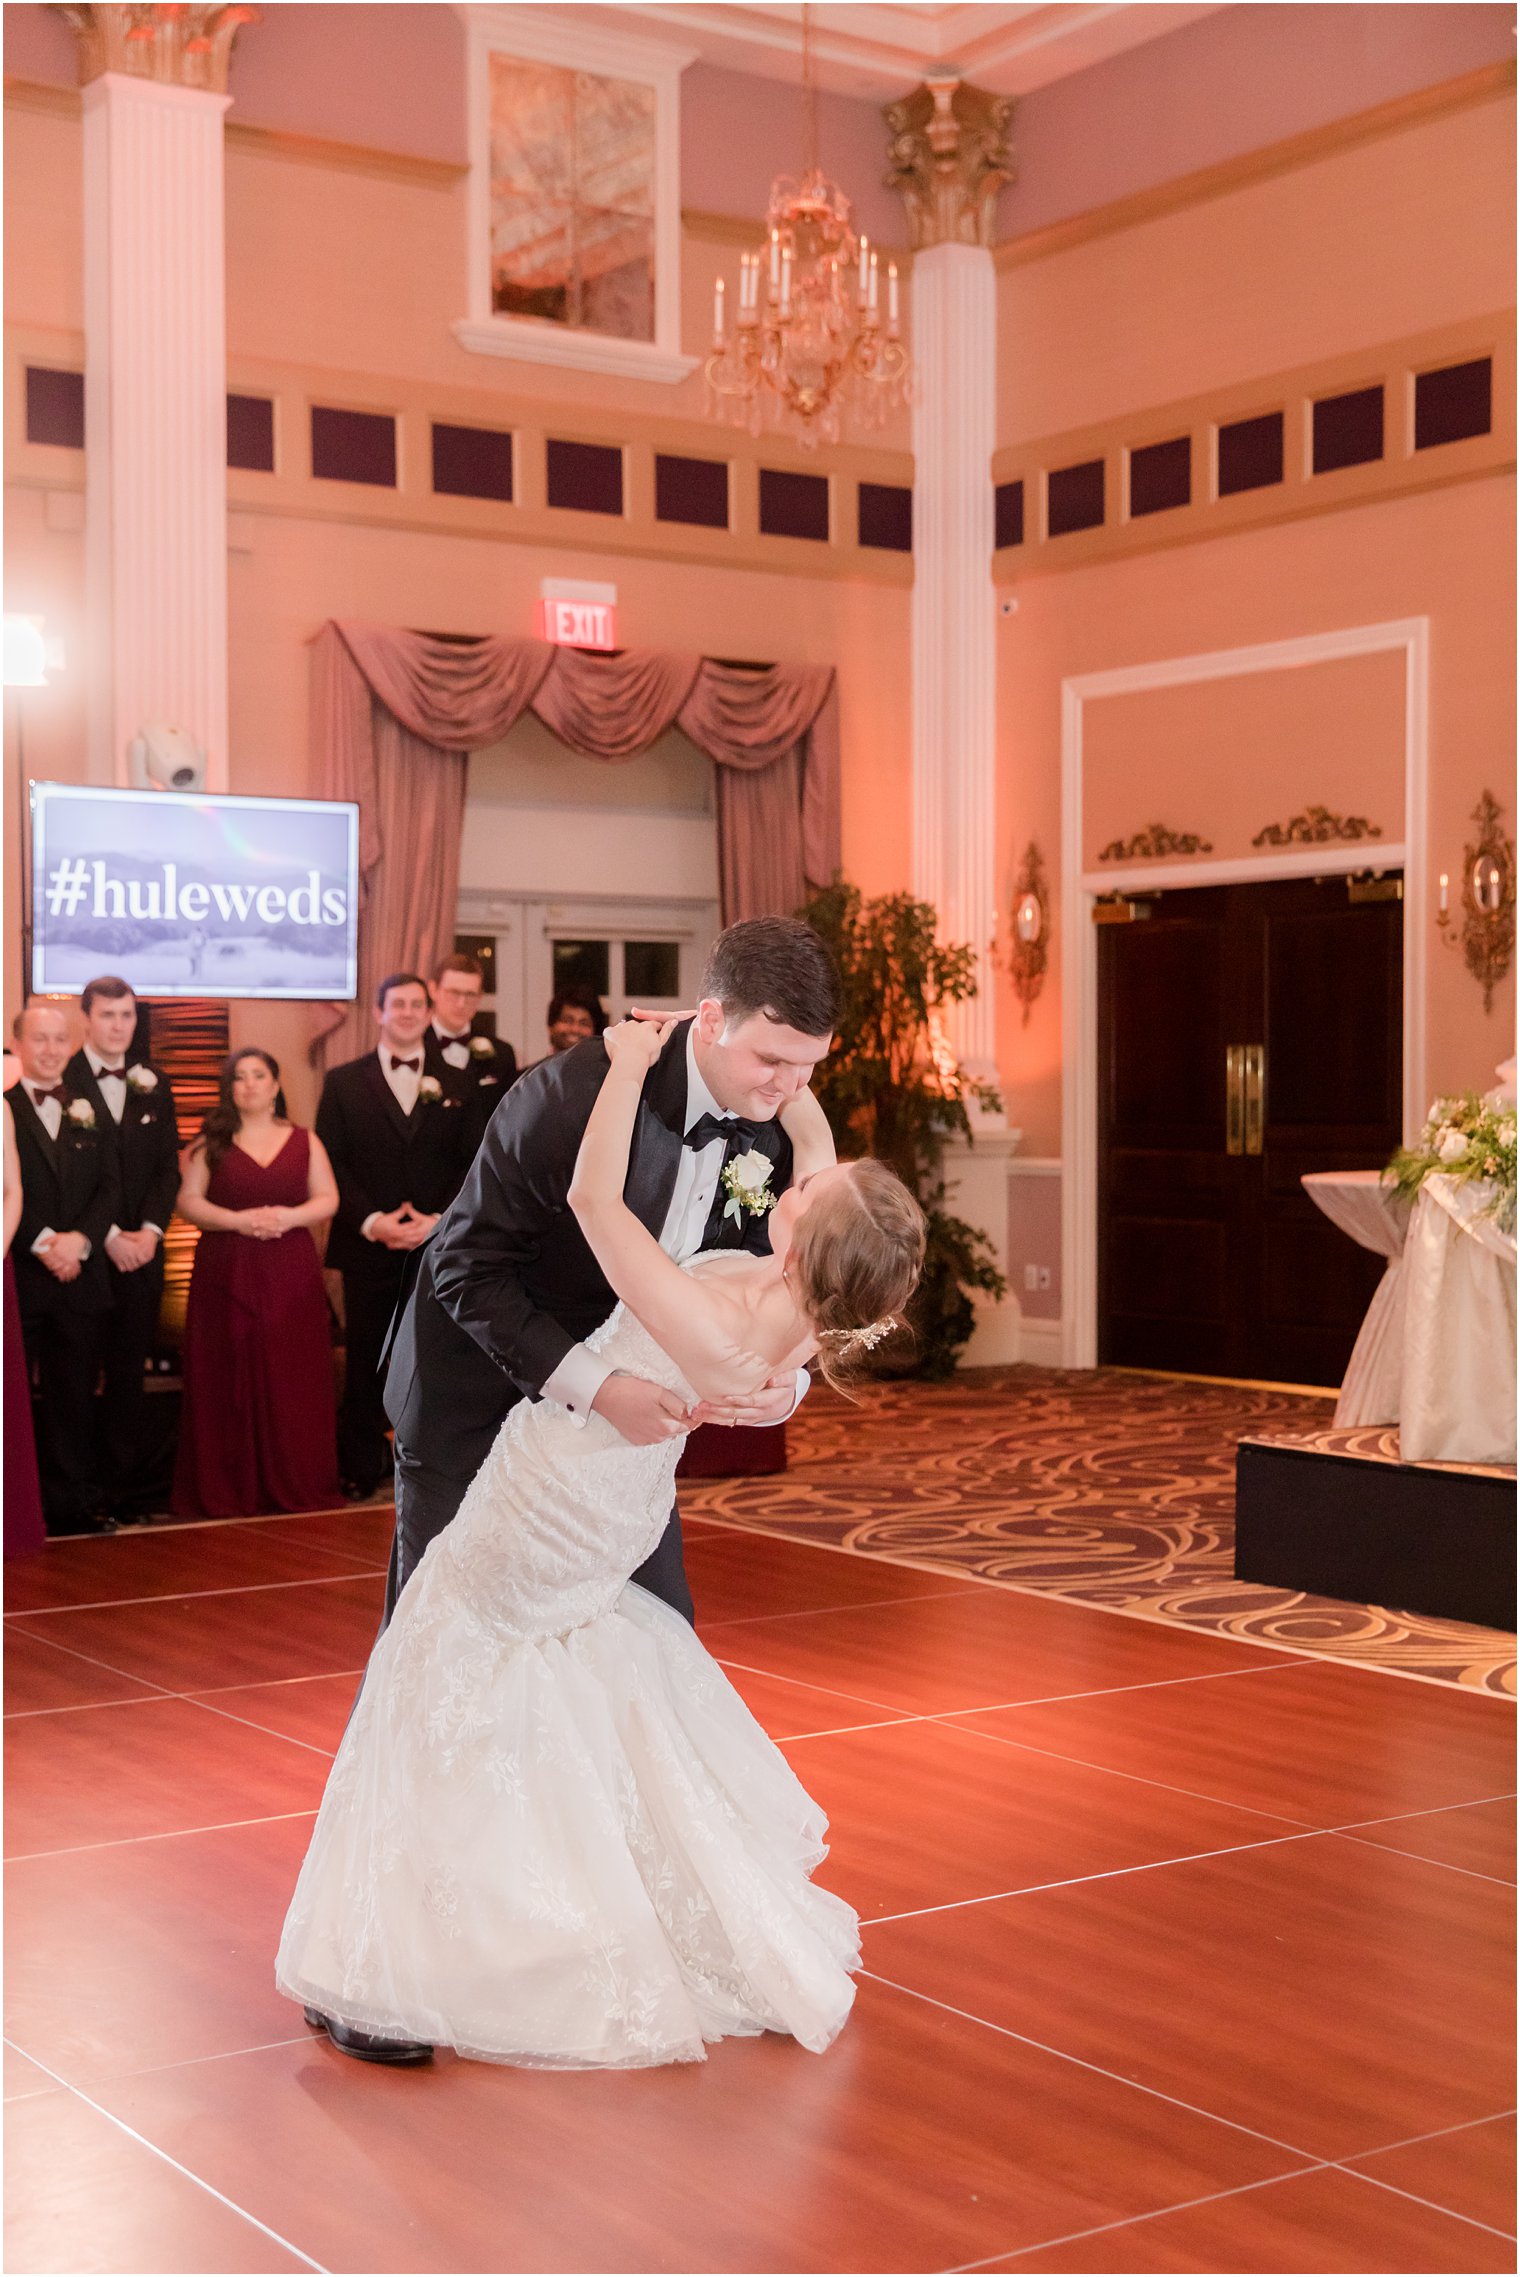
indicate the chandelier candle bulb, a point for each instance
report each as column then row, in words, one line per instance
column 775, row 262
column 718, row 314
column 1445, row 897
column 892, row 295
column 865, row 262
column 875, row 282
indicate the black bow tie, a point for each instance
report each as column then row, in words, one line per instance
column 58, row 1092
column 112, row 1075
column 730, row 1128
column 413, row 1064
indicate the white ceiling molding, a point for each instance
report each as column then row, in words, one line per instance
column 878, row 49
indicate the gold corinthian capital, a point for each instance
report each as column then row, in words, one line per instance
column 177, row 46
column 950, row 158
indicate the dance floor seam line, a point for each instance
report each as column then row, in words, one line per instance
column 1432, row 2204
column 178, row 2165
column 188, row 1596
column 201, row 1693
column 1391, row 1849
column 1130, row 2221
column 862, row 1605
column 268, row 1730
column 1167, row 1786
column 1085, row 2063
column 1103, row 1874
column 168, row 1834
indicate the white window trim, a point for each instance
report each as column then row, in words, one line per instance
column 543, row 37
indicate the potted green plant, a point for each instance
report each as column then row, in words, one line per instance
column 891, row 1087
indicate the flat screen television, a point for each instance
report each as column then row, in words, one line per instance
column 193, row 893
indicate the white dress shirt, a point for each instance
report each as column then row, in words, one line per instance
column 50, row 1115
column 455, row 1048
column 581, row 1374
column 404, row 1084
column 115, row 1097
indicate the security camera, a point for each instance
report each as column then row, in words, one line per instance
column 1008, row 604
column 166, row 759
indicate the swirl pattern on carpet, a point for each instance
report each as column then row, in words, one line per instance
column 1100, row 1486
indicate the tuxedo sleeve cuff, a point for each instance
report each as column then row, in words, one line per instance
column 576, row 1382
column 148, row 1226
column 804, row 1386
column 47, row 1235
column 112, row 1231
column 369, row 1221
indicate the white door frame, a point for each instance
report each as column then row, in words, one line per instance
column 1081, row 888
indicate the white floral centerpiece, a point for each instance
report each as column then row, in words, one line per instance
column 1471, row 1141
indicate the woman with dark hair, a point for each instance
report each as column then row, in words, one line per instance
column 259, row 1428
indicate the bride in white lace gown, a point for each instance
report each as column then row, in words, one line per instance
column 553, row 1833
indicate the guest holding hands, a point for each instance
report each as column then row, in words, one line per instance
column 258, row 1431
column 400, row 1144
column 69, row 1202
column 134, row 1106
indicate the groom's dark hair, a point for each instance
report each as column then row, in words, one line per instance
column 778, row 966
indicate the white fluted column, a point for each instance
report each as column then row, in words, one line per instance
column 950, row 159
column 155, row 415
column 954, row 657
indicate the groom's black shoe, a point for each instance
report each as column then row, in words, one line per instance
column 365, row 2046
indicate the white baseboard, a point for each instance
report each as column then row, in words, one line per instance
column 1002, row 1337
column 1040, row 1343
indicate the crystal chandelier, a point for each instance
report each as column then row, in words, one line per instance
column 810, row 338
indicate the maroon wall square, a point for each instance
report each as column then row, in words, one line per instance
column 1008, row 514
column 1074, row 498
column 691, row 490
column 472, row 462
column 586, row 476
column 1250, row 453
column 250, row 433
column 1348, row 429
column 885, row 512
column 353, row 446
column 794, row 505
column 1451, row 404
column 55, row 407
column 1160, row 476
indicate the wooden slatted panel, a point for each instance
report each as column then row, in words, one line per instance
column 187, row 1038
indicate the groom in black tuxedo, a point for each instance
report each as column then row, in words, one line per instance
column 508, row 1288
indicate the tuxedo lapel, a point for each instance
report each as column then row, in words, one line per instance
column 386, row 1099
column 658, row 1136
column 81, row 1080
column 32, row 1138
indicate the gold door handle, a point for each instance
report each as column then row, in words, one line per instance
column 1254, row 1057
column 1234, row 1099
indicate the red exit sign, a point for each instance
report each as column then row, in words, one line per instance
column 577, row 616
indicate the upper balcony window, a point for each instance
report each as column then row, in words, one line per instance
column 575, row 196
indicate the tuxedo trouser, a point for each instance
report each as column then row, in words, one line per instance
column 65, row 1347
column 368, row 1303
column 426, row 1500
column 130, row 1333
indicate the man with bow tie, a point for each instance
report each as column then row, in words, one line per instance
column 476, row 1070
column 70, row 1200
column 399, row 1146
column 134, row 1107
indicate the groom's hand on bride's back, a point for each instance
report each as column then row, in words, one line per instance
column 641, row 1412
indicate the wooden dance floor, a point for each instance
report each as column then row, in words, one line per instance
column 1183, row 1953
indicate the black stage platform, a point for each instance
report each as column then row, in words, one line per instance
column 1339, row 1515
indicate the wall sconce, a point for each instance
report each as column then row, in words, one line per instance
column 1029, row 953
column 1487, row 937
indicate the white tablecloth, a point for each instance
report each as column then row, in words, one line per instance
column 1377, row 1216
column 1458, row 1393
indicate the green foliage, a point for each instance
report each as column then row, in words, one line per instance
column 890, row 1089
column 1468, row 1140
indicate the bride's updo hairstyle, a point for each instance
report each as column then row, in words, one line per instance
column 853, row 1263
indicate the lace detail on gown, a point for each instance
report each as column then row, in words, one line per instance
column 553, row 1833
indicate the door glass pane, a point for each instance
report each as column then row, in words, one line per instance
column 481, row 946
column 581, row 964
column 651, row 969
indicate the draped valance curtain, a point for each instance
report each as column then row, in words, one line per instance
column 395, row 715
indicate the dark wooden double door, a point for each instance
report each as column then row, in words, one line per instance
column 1247, row 1034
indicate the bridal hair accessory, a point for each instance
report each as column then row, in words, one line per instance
column 863, row 1339
column 747, row 1183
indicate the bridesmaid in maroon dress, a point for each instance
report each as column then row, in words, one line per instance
column 259, row 1427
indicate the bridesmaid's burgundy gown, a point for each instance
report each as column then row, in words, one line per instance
column 24, row 1530
column 259, row 1427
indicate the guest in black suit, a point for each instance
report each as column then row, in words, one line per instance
column 70, row 1199
column 134, row 1105
column 509, row 1288
column 397, row 1141
column 476, row 1070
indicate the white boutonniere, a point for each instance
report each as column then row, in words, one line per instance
column 141, row 1079
column 747, row 1183
column 430, row 1090
column 481, row 1047
column 81, row 1114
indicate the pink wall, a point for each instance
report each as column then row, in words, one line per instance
column 1231, row 82
column 737, row 131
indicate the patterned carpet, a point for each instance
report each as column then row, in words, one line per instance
column 1111, row 1489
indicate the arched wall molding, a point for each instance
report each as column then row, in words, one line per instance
column 1081, row 887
